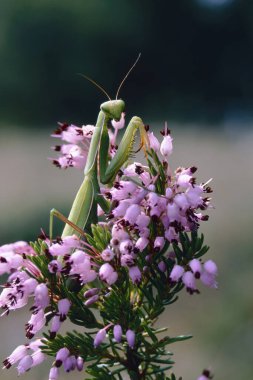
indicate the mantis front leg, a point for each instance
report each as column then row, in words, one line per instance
column 109, row 172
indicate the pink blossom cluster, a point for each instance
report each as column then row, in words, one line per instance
column 74, row 153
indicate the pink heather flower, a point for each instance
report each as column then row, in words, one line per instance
column 193, row 195
column 123, row 190
column 30, row 285
column 126, row 247
column 120, row 210
column 142, row 243
column 181, row 201
column 55, row 326
column 38, row 358
column 189, row 281
column 117, row 333
column 19, row 353
column 100, row 337
column 208, row 279
column 112, row 278
column 65, row 246
column 206, row 375
column 176, row 273
column 127, row 260
column 132, row 213
column 135, row 274
column 153, row 142
column 88, row 131
column 54, row 373
column 196, row 267
column 162, row 266
column 210, row 267
column 169, row 193
column 69, row 364
column 166, row 146
column 133, row 169
column 41, row 296
column 107, row 273
column 172, row 211
column 63, row 307
column 35, row 344
column 119, row 124
column 119, row 233
column 61, row 355
column 79, row 363
column 72, row 134
column 159, row 243
column 25, row 364
column 35, row 323
column 130, row 336
column 55, row 266
column 142, row 221
column 107, row 254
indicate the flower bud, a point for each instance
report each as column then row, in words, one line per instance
column 132, row 213
column 107, row 254
column 153, row 142
column 63, row 307
column 166, row 146
column 189, row 281
column 130, row 336
column 91, row 300
column 117, row 333
column 159, row 243
column 25, row 364
column 54, row 266
column 61, row 355
column 196, row 267
column 41, row 296
column 100, row 337
column 162, row 266
column 69, row 364
column 176, row 273
column 54, row 373
column 55, row 326
column 211, row 267
column 91, row 292
column 135, row 274
column 79, row 363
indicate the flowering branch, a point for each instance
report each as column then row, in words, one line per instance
column 116, row 278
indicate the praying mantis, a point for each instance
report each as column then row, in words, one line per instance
column 84, row 207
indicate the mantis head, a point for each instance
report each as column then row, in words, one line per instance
column 113, row 108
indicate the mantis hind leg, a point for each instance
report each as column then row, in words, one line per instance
column 57, row 214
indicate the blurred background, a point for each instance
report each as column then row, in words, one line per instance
column 196, row 73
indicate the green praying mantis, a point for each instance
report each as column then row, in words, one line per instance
column 84, row 207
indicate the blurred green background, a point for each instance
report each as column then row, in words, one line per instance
column 196, row 73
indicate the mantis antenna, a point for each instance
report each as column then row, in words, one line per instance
column 127, row 74
column 95, row 84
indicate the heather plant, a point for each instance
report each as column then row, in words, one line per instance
column 130, row 245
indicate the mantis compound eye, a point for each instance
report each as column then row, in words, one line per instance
column 113, row 108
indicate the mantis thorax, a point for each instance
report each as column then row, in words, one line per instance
column 113, row 108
